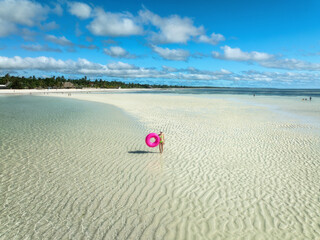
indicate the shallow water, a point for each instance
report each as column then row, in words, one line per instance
column 303, row 93
column 64, row 167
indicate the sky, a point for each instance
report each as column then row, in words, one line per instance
column 230, row 43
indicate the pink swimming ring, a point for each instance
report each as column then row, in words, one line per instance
column 155, row 143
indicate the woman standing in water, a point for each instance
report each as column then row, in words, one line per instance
column 161, row 135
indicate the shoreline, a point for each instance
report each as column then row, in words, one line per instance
column 303, row 94
column 280, row 107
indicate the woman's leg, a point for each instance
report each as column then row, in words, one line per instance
column 160, row 147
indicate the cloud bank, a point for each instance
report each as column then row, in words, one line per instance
column 129, row 71
column 264, row 59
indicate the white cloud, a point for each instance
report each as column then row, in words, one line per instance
column 6, row 28
column 59, row 40
column 40, row 63
column 20, row 12
column 40, row 48
column 49, row 26
column 172, row 54
column 237, row 55
column 23, row 12
column 79, row 9
column 58, row 10
column 213, row 39
column 173, row 29
column 118, row 52
column 286, row 77
column 225, row 71
column 121, row 65
column 265, row 59
column 115, row 69
column 14, row 13
column 27, row 34
column 113, row 24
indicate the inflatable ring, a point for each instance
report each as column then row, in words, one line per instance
column 155, row 143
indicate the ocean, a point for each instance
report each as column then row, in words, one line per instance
column 306, row 93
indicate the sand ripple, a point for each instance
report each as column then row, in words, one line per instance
column 225, row 173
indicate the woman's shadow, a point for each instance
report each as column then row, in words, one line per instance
column 140, row 152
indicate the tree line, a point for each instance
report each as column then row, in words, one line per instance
column 33, row 82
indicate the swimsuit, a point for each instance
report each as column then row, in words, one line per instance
column 161, row 138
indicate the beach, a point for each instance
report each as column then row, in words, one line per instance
column 233, row 167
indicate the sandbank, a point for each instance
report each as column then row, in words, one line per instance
column 240, row 167
column 233, row 167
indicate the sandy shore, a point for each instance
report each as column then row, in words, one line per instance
column 241, row 167
column 234, row 167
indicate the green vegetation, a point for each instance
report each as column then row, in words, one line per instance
column 61, row 82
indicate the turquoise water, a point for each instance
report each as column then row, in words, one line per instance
column 44, row 120
column 306, row 93
column 61, row 163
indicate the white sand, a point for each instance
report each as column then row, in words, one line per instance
column 239, row 167
column 234, row 167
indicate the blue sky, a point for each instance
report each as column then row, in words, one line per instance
column 201, row 43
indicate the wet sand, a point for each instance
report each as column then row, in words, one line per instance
column 233, row 167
